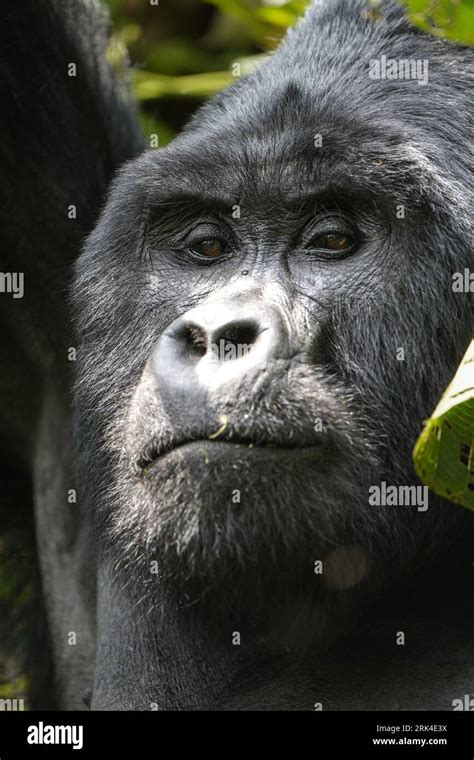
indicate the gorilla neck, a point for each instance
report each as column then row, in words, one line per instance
column 183, row 661
column 169, row 658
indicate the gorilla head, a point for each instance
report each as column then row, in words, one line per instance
column 266, row 316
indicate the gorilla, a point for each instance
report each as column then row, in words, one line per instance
column 264, row 316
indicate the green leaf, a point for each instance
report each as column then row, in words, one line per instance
column 262, row 19
column 444, row 453
column 451, row 19
column 149, row 86
column 277, row 16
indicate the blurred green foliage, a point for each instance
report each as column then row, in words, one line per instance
column 16, row 596
column 184, row 51
column 453, row 19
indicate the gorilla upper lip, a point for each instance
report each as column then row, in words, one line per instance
column 155, row 450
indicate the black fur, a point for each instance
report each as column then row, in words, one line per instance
column 61, row 140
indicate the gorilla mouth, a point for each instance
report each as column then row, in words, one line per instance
column 155, row 451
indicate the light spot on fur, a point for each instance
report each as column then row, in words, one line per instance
column 345, row 567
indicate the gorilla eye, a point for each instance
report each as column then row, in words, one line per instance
column 333, row 241
column 209, row 249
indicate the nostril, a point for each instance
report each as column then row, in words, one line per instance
column 232, row 340
column 195, row 340
column 235, row 340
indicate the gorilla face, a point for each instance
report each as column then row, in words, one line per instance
column 263, row 328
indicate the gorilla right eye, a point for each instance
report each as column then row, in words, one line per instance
column 333, row 241
column 210, row 248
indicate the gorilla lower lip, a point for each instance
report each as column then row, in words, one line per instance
column 206, row 446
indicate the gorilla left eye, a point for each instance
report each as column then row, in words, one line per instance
column 209, row 249
column 333, row 241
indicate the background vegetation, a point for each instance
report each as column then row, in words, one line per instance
column 182, row 51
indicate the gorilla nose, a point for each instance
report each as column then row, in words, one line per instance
column 232, row 339
column 219, row 343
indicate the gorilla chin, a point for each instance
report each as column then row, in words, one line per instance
column 241, row 504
